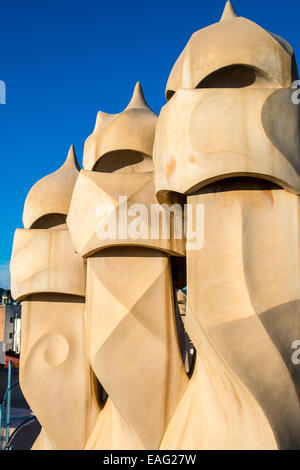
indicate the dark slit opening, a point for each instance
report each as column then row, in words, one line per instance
column 186, row 347
column 232, row 76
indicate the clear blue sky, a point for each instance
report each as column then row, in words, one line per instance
column 62, row 61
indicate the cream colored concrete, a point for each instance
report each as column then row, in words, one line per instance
column 225, row 145
column 96, row 198
column 99, row 313
column 242, row 316
column 247, row 302
column 228, row 13
column 217, row 412
column 133, row 130
column 233, row 41
column 208, row 134
column 54, row 369
column 42, row 261
column 231, row 111
column 43, row 442
column 133, row 346
column 129, row 332
column 49, row 277
column 48, row 200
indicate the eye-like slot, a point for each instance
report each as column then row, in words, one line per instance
column 49, row 221
column 98, row 391
column 186, row 347
column 237, row 76
column 124, row 161
column 237, row 183
column 169, row 94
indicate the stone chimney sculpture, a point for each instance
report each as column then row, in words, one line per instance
column 133, row 346
column 49, row 278
column 102, row 349
column 237, row 153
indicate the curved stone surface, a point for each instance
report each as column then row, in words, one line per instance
column 42, row 261
column 101, row 365
column 226, row 132
column 247, row 306
column 54, row 370
column 133, row 346
column 48, row 200
column 95, row 207
column 133, row 129
column 234, row 41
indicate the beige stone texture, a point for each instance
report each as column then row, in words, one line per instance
column 42, row 261
column 133, row 346
column 103, row 347
column 217, row 412
column 209, row 134
column 129, row 332
column 262, row 59
column 131, row 131
column 247, row 303
column 242, row 316
column 228, row 139
column 54, row 370
column 49, row 277
column 229, row 110
column 48, row 201
column 95, row 203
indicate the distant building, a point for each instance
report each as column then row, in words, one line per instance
column 6, row 298
column 2, row 324
column 10, row 326
column 17, row 334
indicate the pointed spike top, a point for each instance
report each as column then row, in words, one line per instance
column 71, row 159
column 52, row 194
column 138, row 99
column 101, row 119
column 228, row 12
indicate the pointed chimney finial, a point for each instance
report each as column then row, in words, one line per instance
column 101, row 119
column 228, row 12
column 52, row 194
column 137, row 100
column 71, row 159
